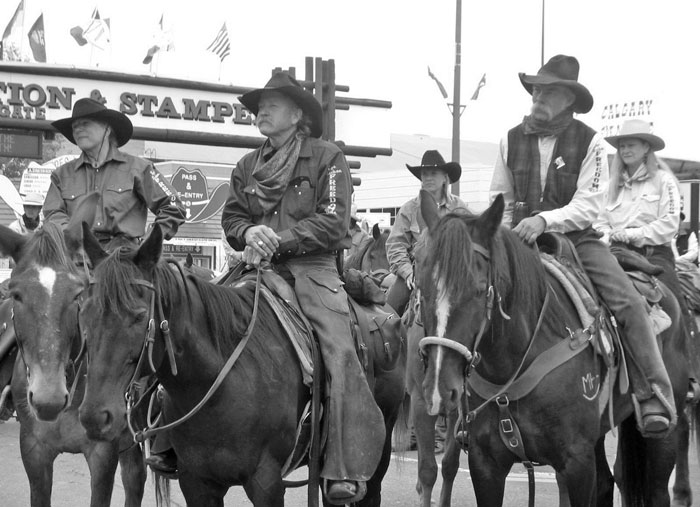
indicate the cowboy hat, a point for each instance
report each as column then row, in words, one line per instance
column 637, row 129
column 285, row 84
column 33, row 200
column 433, row 160
column 92, row 109
column 561, row 70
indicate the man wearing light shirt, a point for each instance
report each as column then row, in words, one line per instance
column 552, row 171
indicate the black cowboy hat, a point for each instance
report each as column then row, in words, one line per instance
column 561, row 70
column 285, row 84
column 433, row 160
column 90, row 108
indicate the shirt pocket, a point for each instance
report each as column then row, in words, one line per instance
column 330, row 293
column 118, row 197
column 649, row 206
column 299, row 201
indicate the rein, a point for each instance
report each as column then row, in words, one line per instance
column 141, row 436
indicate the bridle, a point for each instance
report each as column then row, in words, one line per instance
column 156, row 313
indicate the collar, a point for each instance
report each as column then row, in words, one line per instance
column 112, row 154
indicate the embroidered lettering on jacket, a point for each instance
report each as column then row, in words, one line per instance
column 332, row 190
column 156, row 178
column 598, row 168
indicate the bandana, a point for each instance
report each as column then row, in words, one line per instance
column 640, row 174
column 554, row 127
column 272, row 177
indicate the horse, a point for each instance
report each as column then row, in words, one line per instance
column 245, row 431
column 189, row 267
column 48, row 380
column 490, row 311
column 370, row 257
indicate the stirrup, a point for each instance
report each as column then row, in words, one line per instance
column 360, row 492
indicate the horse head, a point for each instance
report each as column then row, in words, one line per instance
column 456, row 282
column 45, row 289
column 118, row 318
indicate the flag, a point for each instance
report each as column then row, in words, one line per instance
column 478, row 87
column 36, row 39
column 221, row 46
column 161, row 39
column 97, row 32
column 12, row 36
column 442, row 88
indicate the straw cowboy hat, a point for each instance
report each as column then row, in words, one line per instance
column 92, row 109
column 433, row 160
column 637, row 129
column 561, row 70
column 285, row 84
column 33, row 200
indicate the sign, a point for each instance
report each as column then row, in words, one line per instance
column 20, row 144
column 35, row 180
column 193, row 190
column 182, row 249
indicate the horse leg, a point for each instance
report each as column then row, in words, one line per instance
column 563, row 490
column 489, row 465
column 424, row 427
column 660, row 462
column 202, row 493
column 605, row 482
column 450, row 461
column 133, row 471
column 682, row 494
column 102, row 459
column 265, row 488
column 38, row 459
column 579, row 476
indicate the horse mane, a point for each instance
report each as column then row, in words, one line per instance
column 227, row 310
column 355, row 260
column 47, row 247
column 517, row 271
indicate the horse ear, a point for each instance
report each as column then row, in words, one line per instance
column 151, row 249
column 428, row 209
column 189, row 260
column 376, row 231
column 492, row 217
column 11, row 243
column 92, row 247
column 84, row 212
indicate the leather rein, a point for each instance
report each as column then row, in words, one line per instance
column 156, row 313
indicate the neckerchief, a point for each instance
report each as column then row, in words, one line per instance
column 640, row 174
column 554, row 127
column 271, row 178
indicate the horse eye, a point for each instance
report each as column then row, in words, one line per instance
column 16, row 296
column 140, row 316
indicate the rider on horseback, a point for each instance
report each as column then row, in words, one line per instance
column 552, row 171
column 289, row 204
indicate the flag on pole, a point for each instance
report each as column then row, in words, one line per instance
column 97, row 32
column 478, row 87
column 161, row 39
column 37, row 42
column 442, row 88
column 12, row 36
column 221, row 45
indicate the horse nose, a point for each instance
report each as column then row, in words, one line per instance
column 47, row 408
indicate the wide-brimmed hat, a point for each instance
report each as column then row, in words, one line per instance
column 433, row 160
column 285, row 84
column 638, row 129
column 33, row 200
column 92, row 109
column 561, row 70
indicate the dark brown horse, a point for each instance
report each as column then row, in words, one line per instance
column 370, row 257
column 245, row 432
column 490, row 312
column 48, row 380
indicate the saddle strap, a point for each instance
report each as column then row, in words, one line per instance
column 510, row 435
column 543, row 364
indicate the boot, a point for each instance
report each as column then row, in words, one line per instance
column 653, row 395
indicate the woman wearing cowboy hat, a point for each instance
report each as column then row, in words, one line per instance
column 30, row 220
column 289, row 204
column 128, row 186
column 436, row 176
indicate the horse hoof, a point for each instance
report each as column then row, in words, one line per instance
column 345, row 492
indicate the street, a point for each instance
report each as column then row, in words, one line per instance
column 71, row 481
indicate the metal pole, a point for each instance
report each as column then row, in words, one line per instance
column 542, row 45
column 456, row 106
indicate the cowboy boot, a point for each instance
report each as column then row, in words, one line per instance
column 653, row 395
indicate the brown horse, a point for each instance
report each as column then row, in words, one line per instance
column 490, row 312
column 48, row 381
column 245, row 432
column 370, row 257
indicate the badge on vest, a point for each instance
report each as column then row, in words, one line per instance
column 559, row 162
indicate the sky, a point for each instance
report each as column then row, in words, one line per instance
column 629, row 51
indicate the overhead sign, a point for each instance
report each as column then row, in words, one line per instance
column 20, row 144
